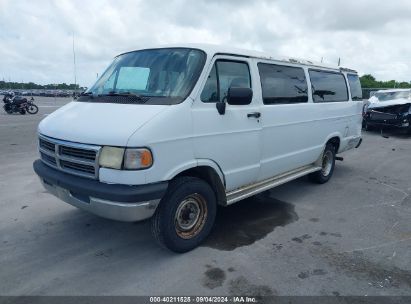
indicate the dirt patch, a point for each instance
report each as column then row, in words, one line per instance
column 214, row 277
column 355, row 264
column 241, row 286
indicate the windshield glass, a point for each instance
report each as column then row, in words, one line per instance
column 385, row 96
column 162, row 76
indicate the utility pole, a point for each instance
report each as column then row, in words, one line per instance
column 74, row 65
column 339, row 61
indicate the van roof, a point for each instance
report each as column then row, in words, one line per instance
column 213, row 49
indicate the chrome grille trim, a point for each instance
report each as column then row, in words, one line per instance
column 73, row 158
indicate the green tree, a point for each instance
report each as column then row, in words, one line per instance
column 369, row 81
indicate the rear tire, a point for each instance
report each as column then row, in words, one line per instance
column 185, row 215
column 327, row 166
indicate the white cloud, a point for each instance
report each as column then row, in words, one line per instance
column 36, row 36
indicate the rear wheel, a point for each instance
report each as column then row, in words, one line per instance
column 185, row 215
column 327, row 166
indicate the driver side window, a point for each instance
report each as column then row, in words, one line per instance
column 225, row 74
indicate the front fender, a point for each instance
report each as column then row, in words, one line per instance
column 195, row 163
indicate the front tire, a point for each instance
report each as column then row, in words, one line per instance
column 185, row 215
column 327, row 166
column 32, row 109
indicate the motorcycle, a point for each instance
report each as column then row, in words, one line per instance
column 18, row 104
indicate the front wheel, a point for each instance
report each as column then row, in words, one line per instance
column 327, row 166
column 32, row 109
column 185, row 215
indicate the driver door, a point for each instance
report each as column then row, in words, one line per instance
column 231, row 140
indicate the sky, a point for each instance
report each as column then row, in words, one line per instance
column 36, row 37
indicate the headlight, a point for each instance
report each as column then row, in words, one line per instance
column 111, row 157
column 125, row 158
column 137, row 159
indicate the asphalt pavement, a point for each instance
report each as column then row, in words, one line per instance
column 351, row 236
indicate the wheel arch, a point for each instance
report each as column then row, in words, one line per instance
column 211, row 173
column 335, row 139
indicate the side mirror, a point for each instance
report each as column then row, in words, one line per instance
column 239, row 96
column 220, row 107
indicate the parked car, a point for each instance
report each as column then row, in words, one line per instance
column 389, row 109
column 170, row 133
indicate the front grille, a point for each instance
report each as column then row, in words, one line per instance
column 47, row 145
column 48, row 159
column 76, row 167
column 73, row 158
column 78, row 153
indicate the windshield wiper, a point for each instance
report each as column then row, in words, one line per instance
column 114, row 93
column 90, row 94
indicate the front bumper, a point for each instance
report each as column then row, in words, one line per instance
column 126, row 203
column 398, row 121
column 395, row 124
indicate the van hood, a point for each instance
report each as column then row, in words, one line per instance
column 98, row 123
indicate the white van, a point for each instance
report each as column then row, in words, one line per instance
column 172, row 132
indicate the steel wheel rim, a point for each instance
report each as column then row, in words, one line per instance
column 327, row 163
column 190, row 216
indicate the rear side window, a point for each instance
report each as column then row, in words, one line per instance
column 355, row 87
column 225, row 74
column 282, row 84
column 328, row 86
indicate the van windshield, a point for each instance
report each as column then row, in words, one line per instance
column 152, row 76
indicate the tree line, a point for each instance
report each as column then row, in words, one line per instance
column 369, row 81
column 4, row 85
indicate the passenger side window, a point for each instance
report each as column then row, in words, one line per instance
column 328, row 86
column 355, row 87
column 282, row 84
column 225, row 74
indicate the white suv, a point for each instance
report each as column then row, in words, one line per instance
column 172, row 132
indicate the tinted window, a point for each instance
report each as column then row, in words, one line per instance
column 328, row 86
column 282, row 84
column 223, row 75
column 355, row 87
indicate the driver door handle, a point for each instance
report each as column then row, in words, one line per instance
column 254, row 114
